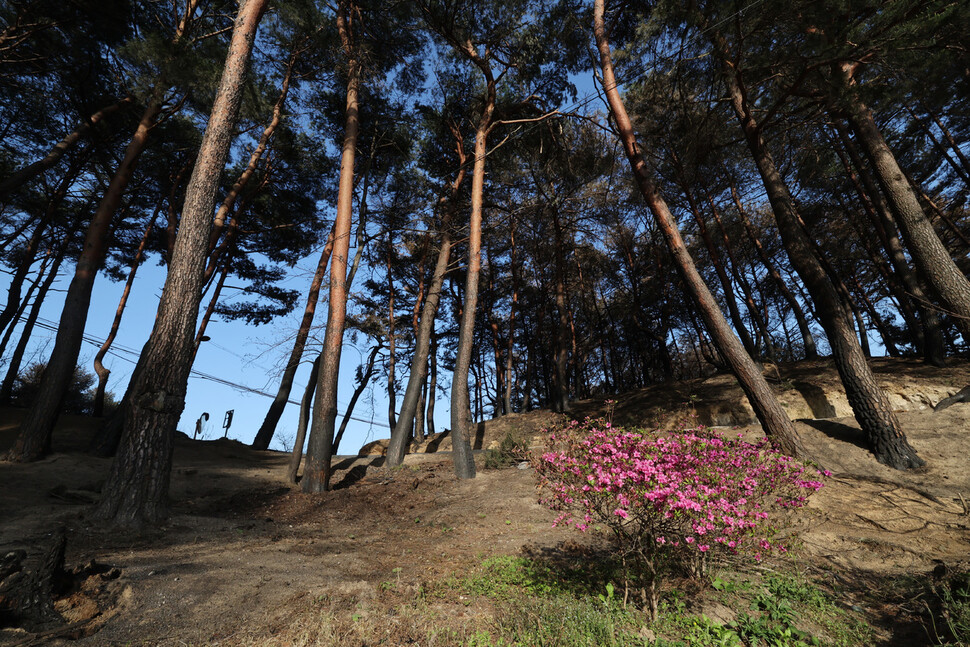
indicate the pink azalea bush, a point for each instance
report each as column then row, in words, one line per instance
column 687, row 495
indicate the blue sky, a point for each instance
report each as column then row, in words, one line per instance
column 251, row 357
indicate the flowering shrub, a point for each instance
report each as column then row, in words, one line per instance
column 685, row 495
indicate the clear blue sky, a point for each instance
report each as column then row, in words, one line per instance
column 252, row 357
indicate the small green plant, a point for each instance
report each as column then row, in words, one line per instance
column 950, row 610
column 511, row 450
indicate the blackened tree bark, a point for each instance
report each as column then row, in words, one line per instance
column 136, row 490
column 772, row 416
column 265, row 434
column 870, row 404
column 316, row 473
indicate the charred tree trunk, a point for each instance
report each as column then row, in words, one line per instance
column 27, row 594
column 772, row 416
column 136, row 490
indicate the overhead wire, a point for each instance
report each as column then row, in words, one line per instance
column 127, row 354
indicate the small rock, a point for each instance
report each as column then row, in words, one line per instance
column 718, row 613
column 524, row 465
column 648, row 634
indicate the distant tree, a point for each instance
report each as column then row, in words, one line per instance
column 80, row 396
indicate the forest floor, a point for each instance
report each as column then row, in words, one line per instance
column 413, row 556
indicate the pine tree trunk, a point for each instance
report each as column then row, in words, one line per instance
column 365, row 379
column 954, row 146
column 874, row 204
column 225, row 208
column 209, row 310
column 316, row 476
column 54, row 155
column 13, row 368
column 460, row 405
column 870, row 404
column 391, row 345
column 305, row 404
column 729, row 298
column 136, row 490
column 8, row 333
column 803, row 328
column 99, row 368
column 265, row 434
column 928, row 252
column 29, row 251
column 760, row 321
column 509, row 351
column 432, row 396
column 772, row 416
column 423, row 341
column 38, row 425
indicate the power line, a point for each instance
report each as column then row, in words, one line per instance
column 126, row 354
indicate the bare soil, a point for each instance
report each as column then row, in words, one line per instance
column 245, row 559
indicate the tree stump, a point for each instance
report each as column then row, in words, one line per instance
column 28, row 586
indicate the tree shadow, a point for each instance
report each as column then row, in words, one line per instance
column 355, row 473
column 479, row 436
column 814, row 396
column 435, row 442
column 838, row 431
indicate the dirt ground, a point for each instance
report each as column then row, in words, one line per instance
column 243, row 551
